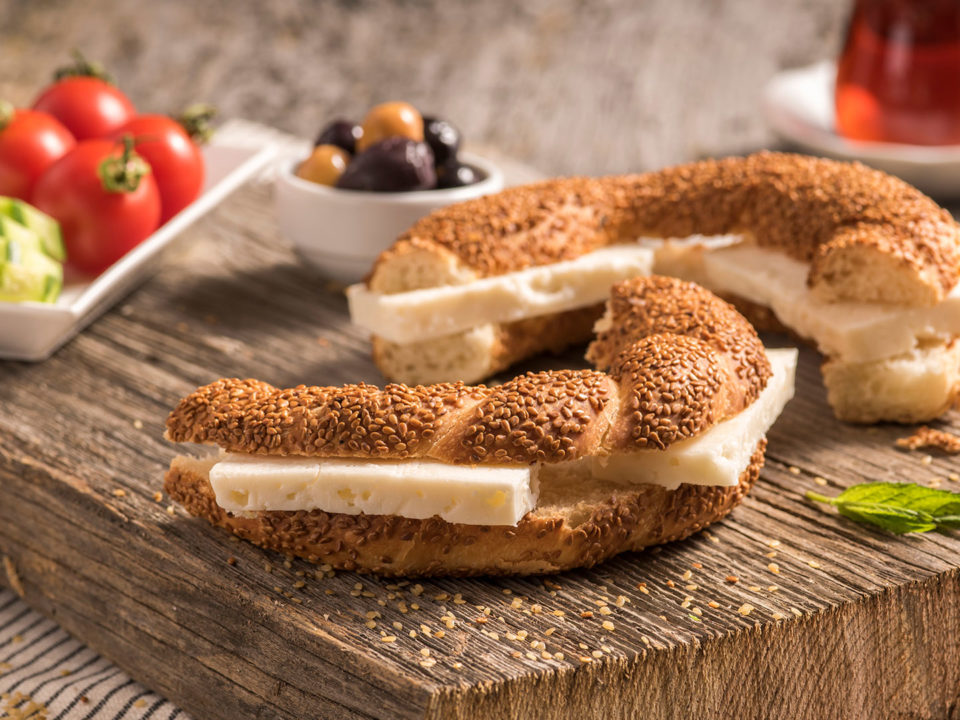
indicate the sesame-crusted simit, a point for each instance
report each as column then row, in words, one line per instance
column 670, row 379
column 675, row 360
column 841, row 217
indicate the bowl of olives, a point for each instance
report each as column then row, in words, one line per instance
column 364, row 184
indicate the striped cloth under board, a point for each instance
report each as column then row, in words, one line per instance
column 45, row 674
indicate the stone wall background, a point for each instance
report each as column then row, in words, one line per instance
column 569, row 86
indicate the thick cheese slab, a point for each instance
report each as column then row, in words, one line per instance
column 481, row 495
column 718, row 456
column 852, row 331
column 434, row 312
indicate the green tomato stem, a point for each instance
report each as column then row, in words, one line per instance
column 82, row 67
column 123, row 174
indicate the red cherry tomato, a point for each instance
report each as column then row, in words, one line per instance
column 88, row 106
column 104, row 197
column 30, row 142
column 175, row 159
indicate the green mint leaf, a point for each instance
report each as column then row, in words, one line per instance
column 897, row 507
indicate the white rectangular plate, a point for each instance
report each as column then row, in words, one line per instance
column 33, row 331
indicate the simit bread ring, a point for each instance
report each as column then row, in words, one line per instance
column 548, row 471
column 859, row 262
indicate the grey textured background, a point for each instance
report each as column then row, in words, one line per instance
column 569, row 86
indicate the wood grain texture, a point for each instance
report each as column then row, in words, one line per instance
column 850, row 622
column 569, row 86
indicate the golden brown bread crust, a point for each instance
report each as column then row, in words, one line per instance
column 545, row 541
column 669, row 380
column 816, row 210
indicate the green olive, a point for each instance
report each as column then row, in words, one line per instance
column 392, row 119
column 325, row 165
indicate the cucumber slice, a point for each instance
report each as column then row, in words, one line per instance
column 35, row 277
column 48, row 229
column 20, row 235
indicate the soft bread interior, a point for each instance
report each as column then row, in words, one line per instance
column 468, row 356
column 876, row 272
column 911, row 387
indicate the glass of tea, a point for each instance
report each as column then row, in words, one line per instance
column 898, row 78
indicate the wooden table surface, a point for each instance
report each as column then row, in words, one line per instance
column 825, row 619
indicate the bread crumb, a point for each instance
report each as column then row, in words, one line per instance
column 158, row 496
column 745, row 609
column 926, row 437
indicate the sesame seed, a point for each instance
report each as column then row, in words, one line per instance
column 607, row 625
column 813, row 563
column 713, row 603
column 774, row 568
column 597, row 654
column 745, row 609
column 371, row 624
column 820, row 481
column 732, row 579
column 428, row 662
column 777, row 616
column 158, row 496
column 388, row 638
column 586, row 614
column 794, row 470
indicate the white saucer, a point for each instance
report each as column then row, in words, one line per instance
column 798, row 105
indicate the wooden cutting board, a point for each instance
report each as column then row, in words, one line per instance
column 782, row 610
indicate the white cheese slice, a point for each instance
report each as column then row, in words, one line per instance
column 475, row 495
column 852, row 331
column 484, row 494
column 434, row 312
column 717, row 456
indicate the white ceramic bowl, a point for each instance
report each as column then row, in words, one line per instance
column 341, row 232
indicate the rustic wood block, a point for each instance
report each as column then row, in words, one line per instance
column 826, row 618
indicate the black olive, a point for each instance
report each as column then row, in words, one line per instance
column 392, row 165
column 342, row 133
column 443, row 138
column 458, row 175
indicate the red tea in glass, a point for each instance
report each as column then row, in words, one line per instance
column 898, row 79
